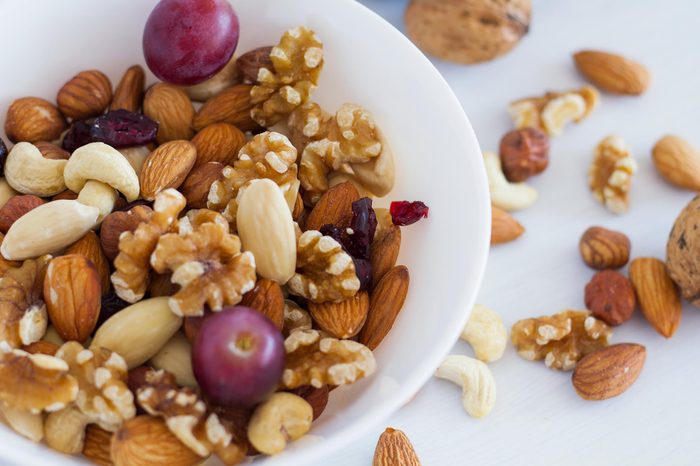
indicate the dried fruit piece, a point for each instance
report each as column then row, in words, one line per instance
column 393, row 449
column 385, row 304
column 87, row 94
column 608, row 372
column 610, row 174
column 77, row 135
column 22, row 311
column 613, row 73
column 316, row 361
column 129, row 91
column 504, row 228
column 407, row 213
column 122, row 128
column 561, row 340
column 524, row 153
column 610, row 297
column 110, row 305
column 344, row 319
column 32, row 119
column 658, row 296
column 677, row 162
column 604, row 249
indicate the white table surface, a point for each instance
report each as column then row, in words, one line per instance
column 538, row 419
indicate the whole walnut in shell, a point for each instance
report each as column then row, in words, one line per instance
column 683, row 252
column 467, row 31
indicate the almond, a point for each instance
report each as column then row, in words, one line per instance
column 231, row 105
column 218, row 142
column 604, row 249
column 334, row 207
column 385, row 252
column 394, row 449
column 249, row 63
column 90, row 247
column 172, row 109
column 118, row 222
column 52, row 151
column 196, row 186
column 15, row 207
column 167, row 167
column 32, row 119
column 316, row 397
column 267, row 298
column 343, row 319
column 657, row 295
column 147, row 441
column 87, row 94
column 504, row 228
column 677, row 162
column 97, row 445
column 41, row 347
column 385, row 303
column 609, row 371
column 129, row 91
column 72, row 292
column 299, row 208
column 613, row 73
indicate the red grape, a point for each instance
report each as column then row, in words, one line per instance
column 238, row 357
column 186, row 42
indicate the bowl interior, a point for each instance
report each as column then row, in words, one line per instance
column 368, row 62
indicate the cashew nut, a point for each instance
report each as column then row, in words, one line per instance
column 377, row 175
column 504, row 194
column 99, row 195
column 486, row 333
column 25, row 423
column 48, row 229
column 280, row 419
column 476, row 380
column 28, row 172
column 65, row 430
column 6, row 192
column 176, row 357
column 136, row 156
column 100, row 162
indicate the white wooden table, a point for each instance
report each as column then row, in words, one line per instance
column 538, row 419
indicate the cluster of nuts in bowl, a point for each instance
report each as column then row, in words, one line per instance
column 133, row 225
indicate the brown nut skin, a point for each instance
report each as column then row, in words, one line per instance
column 683, row 252
column 524, row 153
column 604, row 249
column 250, row 63
column 15, row 207
column 32, row 119
column 610, row 297
column 196, row 186
column 87, row 94
column 116, row 223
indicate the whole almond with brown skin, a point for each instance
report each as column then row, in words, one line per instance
column 677, row 162
column 343, row 319
column 316, row 397
column 15, row 207
column 52, row 151
column 167, row 167
column 87, row 94
column 658, row 297
column 394, row 449
column 334, row 207
column 67, row 194
column 608, row 372
column 32, row 119
column 504, row 228
column 218, row 142
column 249, row 63
column 613, row 73
column 90, row 247
column 41, row 347
column 170, row 106
column 267, row 298
column 97, row 445
column 129, row 91
column 231, row 105
column 385, row 252
column 196, row 186
column 72, row 293
column 117, row 223
column 604, row 249
column 298, row 208
column 385, row 303
column 147, row 441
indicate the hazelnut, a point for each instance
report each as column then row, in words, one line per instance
column 610, row 297
column 524, row 152
column 604, row 249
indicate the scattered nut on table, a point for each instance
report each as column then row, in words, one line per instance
column 476, row 380
column 504, row 194
column 486, row 333
column 610, row 297
column 610, row 174
column 524, row 153
column 682, row 251
column 602, row 248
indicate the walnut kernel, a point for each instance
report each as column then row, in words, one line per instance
column 610, row 174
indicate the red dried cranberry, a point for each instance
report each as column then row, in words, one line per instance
column 111, row 304
column 362, row 228
column 78, row 135
column 407, row 213
column 122, row 128
column 3, row 157
column 363, row 270
column 334, row 232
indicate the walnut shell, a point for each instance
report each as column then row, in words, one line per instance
column 683, row 252
column 467, row 31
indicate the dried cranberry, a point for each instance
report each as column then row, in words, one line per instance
column 362, row 228
column 78, row 135
column 122, row 128
column 363, row 270
column 334, row 232
column 3, row 157
column 111, row 304
column 406, row 213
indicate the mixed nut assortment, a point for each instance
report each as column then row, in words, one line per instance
column 179, row 281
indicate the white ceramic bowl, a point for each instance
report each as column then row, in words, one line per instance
column 45, row 42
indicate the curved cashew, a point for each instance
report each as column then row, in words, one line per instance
column 28, row 172
column 176, row 357
column 48, row 229
column 25, row 423
column 100, row 162
column 99, row 195
column 504, row 194
column 377, row 175
column 486, row 333
column 283, row 417
column 476, row 380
